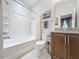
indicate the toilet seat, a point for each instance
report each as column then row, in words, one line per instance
column 39, row 43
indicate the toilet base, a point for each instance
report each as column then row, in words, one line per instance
column 40, row 51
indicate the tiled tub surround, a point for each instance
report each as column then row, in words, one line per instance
column 17, row 48
column 16, row 20
column 19, row 30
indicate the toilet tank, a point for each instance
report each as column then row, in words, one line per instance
column 44, row 37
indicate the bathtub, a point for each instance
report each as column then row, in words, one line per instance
column 16, row 48
column 16, row 41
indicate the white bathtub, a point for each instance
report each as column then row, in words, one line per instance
column 16, row 41
column 15, row 48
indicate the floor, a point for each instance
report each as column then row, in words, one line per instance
column 34, row 55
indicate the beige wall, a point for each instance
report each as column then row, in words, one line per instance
column 36, row 26
column 38, row 29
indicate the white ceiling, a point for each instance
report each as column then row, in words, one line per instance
column 40, row 5
column 45, row 5
column 34, row 2
column 30, row 2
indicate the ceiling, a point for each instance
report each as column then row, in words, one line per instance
column 30, row 2
column 40, row 5
column 35, row 2
column 44, row 5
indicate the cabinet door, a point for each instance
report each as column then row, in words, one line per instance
column 74, row 46
column 59, row 46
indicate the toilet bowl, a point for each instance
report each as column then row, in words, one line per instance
column 40, row 46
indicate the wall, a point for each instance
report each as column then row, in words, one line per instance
column 36, row 26
column 64, row 8
column 1, row 30
column 40, row 7
column 46, row 31
column 77, row 2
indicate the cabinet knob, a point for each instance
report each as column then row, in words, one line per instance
column 65, row 39
column 68, row 40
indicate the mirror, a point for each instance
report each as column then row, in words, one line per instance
column 65, row 14
column 66, row 21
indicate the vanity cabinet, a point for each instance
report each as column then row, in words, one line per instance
column 73, row 46
column 64, row 46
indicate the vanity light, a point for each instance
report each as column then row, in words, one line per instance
column 53, row 2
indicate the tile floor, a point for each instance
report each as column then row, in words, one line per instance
column 33, row 55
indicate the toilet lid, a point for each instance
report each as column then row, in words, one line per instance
column 40, row 42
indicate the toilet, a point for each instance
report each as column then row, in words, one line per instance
column 41, row 45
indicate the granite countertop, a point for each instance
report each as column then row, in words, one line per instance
column 72, row 32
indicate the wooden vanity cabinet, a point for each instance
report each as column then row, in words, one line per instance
column 73, row 46
column 58, row 46
column 64, row 46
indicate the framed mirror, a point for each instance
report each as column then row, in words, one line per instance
column 66, row 21
column 65, row 15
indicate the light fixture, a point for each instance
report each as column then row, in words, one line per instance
column 55, row 1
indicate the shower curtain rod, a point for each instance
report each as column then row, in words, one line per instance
column 25, row 6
